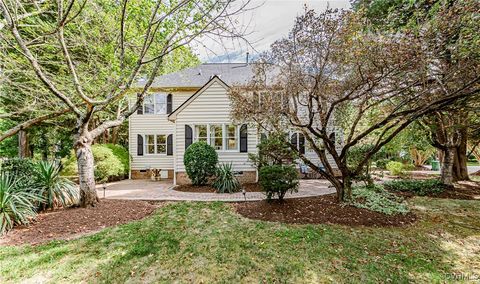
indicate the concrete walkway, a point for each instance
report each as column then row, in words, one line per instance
column 162, row 190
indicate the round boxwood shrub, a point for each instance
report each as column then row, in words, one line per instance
column 110, row 164
column 278, row 180
column 200, row 162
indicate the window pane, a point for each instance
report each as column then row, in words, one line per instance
column 160, row 98
column 160, row 104
column 231, row 131
column 148, row 106
column 216, row 143
column 150, row 139
column 151, row 149
column 161, row 149
column 231, row 144
column 148, row 99
column 149, row 109
column 216, row 137
column 201, row 132
column 161, row 109
column 215, row 130
column 161, row 139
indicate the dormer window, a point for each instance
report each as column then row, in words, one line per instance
column 155, row 104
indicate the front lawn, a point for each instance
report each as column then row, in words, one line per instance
column 209, row 242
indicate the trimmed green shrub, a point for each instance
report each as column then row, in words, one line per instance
column 56, row 190
column 278, row 180
column 273, row 150
column 108, row 165
column 417, row 187
column 21, row 169
column 225, row 181
column 395, row 168
column 16, row 204
column 200, row 162
column 375, row 198
column 122, row 154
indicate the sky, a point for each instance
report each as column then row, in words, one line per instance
column 271, row 20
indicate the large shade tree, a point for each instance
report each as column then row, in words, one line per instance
column 87, row 72
column 451, row 27
column 46, row 134
column 341, row 86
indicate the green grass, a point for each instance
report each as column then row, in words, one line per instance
column 208, row 242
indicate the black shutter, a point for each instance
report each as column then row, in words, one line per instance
column 140, row 108
column 293, row 140
column 170, row 145
column 169, row 103
column 139, row 145
column 333, row 138
column 188, row 136
column 301, row 143
column 243, row 139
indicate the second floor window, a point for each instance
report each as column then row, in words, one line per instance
column 155, row 104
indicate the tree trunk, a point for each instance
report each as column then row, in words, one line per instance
column 447, row 166
column 347, row 188
column 23, row 149
column 460, row 170
column 114, row 139
column 85, row 163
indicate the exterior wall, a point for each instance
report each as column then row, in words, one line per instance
column 152, row 124
column 145, row 174
column 212, row 106
column 245, row 177
column 312, row 156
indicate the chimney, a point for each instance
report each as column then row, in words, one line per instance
column 247, row 57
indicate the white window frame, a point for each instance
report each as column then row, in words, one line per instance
column 155, row 147
column 156, row 105
column 222, row 136
column 237, row 137
column 224, row 133
column 195, row 136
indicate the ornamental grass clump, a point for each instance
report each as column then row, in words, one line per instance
column 225, row 180
column 17, row 204
column 57, row 191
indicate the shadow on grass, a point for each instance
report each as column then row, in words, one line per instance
column 193, row 242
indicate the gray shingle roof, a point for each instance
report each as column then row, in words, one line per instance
column 230, row 73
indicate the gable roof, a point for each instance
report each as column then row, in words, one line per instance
column 173, row 115
column 230, row 73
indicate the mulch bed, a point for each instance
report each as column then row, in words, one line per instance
column 319, row 210
column 74, row 222
column 249, row 187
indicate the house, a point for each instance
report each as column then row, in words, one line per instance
column 188, row 106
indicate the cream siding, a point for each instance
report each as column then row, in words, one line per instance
column 212, row 106
column 153, row 124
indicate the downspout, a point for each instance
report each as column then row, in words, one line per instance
column 175, row 153
column 129, row 148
